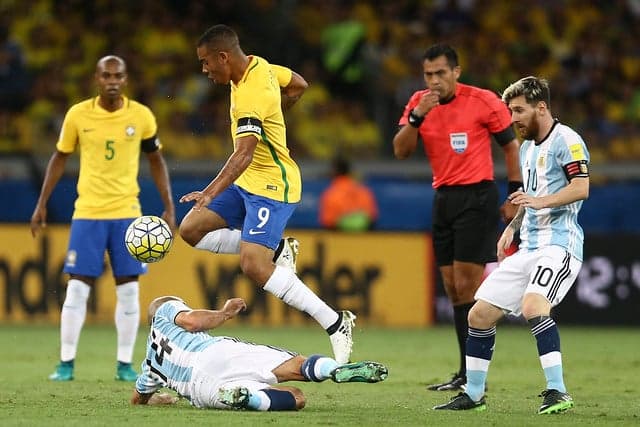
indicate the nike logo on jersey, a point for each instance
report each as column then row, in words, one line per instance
column 88, row 130
column 252, row 232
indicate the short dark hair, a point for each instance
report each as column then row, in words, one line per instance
column 442, row 49
column 533, row 89
column 220, row 36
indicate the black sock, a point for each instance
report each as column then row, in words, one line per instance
column 333, row 328
column 460, row 314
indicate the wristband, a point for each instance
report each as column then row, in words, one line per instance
column 415, row 120
column 514, row 186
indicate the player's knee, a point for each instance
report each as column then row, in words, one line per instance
column 483, row 315
column 189, row 233
column 534, row 305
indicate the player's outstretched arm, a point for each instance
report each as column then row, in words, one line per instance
column 203, row 320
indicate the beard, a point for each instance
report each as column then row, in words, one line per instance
column 530, row 130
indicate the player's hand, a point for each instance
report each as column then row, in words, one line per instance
column 504, row 243
column 233, row 306
column 38, row 220
column 520, row 198
column 199, row 197
column 162, row 399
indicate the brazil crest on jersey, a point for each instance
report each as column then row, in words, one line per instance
column 256, row 110
column 547, row 167
column 110, row 144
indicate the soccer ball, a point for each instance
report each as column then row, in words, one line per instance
column 148, row 238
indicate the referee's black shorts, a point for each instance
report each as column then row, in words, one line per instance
column 465, row 223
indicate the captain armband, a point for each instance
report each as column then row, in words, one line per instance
column 249, row 125
column 576, row 169
column 149, row 145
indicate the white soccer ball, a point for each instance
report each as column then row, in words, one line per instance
column 148, row 238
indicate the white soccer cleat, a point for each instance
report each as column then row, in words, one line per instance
column 287, row 253
column 342, row 339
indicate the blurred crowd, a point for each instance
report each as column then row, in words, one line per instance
column 361, row 58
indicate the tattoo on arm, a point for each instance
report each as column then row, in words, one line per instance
column 516, row 222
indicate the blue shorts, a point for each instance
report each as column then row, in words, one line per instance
column 90, row 238
column 262, row 220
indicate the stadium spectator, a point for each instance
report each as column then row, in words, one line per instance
column 245, row 208
column 224, row 372
column 554, row 160
column 456, row 122
column 569, row 45
column 110, row 131
column 347, row 204
column 14, row 92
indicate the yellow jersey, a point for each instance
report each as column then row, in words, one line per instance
column 255, row 110
column 110, row 145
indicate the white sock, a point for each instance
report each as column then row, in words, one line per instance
column 74, row 311
column 284, row 284
column 222, row 241
column 127, row 319
column 259, row 401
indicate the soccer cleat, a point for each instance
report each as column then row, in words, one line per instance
column 457, row 382
column 360, row 372
column 286, row 253
column 64, row 372
column 462, row 402
column 342, row 339
column 125, row 372
column 234, row 398
column 554, row 401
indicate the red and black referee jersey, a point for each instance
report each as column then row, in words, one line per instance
column 457, row 134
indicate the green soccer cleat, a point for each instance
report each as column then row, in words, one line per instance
column 462, row 402
column 554, row 401
column 360, row 372
column 234, row 398
column 125, row 372
column 63, row 372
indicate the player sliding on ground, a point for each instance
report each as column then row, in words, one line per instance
column 224, row 372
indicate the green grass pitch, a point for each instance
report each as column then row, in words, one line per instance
column 602, row 369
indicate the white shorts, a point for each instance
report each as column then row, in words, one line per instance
column 231, row 363
column 549, row 271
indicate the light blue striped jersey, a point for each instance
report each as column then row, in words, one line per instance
column 543, row 173
column 171, row 352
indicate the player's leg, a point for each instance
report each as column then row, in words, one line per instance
column 501, row 292
column 84, row 263
column 208, row 229
column 262, row 230
column 550, row 280
column 127, row 312
column 318, row 368
column 234, row 374
column 259, row 397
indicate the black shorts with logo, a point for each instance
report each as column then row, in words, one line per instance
column 465, row 223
